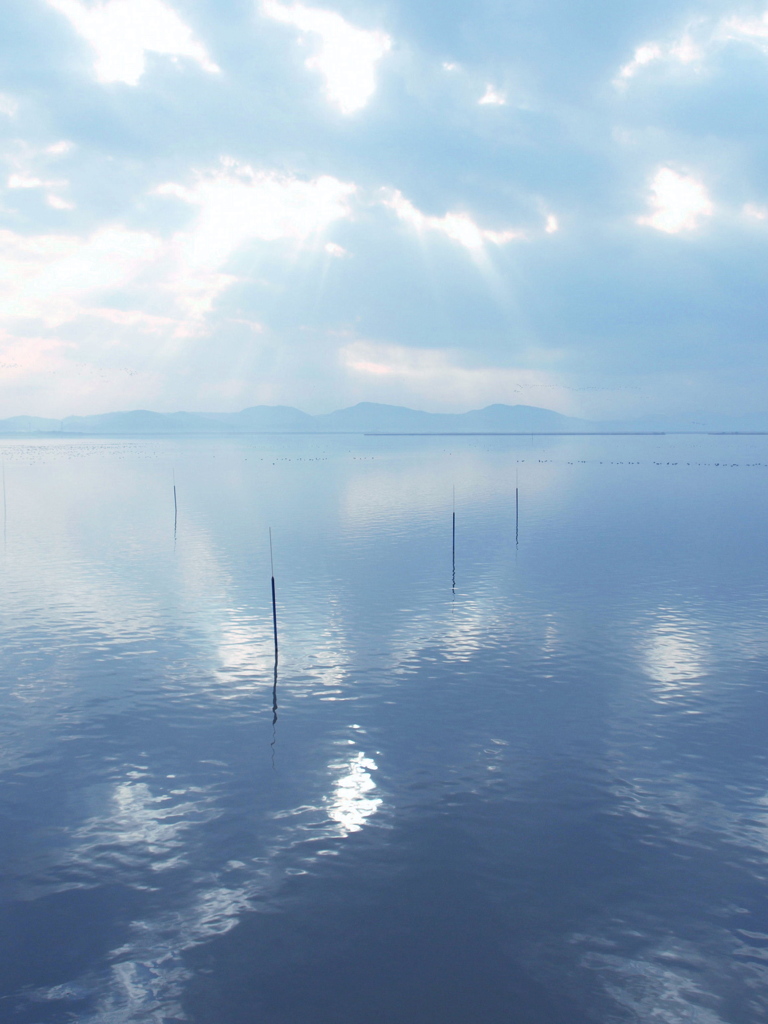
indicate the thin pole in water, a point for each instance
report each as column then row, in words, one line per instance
column 175, row 507
column 274, row 601
column 274, row 713
column 274, row 630
column 5, row 511
column 453, row 544
column 517, row 511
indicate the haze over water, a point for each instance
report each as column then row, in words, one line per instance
column 537, row 796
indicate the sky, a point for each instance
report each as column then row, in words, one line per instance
column 212, row 204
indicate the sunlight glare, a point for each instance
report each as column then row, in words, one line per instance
column 459, row 227
column 678, row 201
column 122, row 32
column 491, row 97
column 347, row 56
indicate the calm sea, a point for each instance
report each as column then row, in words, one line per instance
column 518, row 776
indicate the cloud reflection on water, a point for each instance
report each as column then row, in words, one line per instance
column 150, row 829
column 148, row 975
column 676, row 652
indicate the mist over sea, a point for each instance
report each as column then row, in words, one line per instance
column 515, row 774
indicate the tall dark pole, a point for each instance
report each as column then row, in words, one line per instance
column 274, row 601
column 453, row 544
column 274, row 631
column 274, row 711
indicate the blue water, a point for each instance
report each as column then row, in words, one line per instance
column 527, row 788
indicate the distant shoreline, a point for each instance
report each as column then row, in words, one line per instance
column 377, row 420
column 69, row 435
column 560, row 433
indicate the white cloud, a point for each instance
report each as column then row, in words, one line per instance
column 643, row 55
column 24, row 181
column 686, row 51
column 755, row 212
column 58, row 203
column 335, row 250
column 60, row 148
column 689, row 48
column 122, row 32
column 457, row 226
column 26, row 162
column 699, row 39
column 145, row 322
column 237, row 204
column 347, row 56
column 491, row 97
column 678, row 202
column 9, row 107
column 747, row 30
column 59, row 278
column 47, row 277
column 435, row 376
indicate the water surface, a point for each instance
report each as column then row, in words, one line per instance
column 524, row 785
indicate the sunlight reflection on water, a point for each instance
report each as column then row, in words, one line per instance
column 564, row 750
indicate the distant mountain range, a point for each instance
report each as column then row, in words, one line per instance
column 367, row 417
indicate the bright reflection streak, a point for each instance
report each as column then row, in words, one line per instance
column 652, row 990
column 147, row 980
column 673, row 656
column 349, row 805
column 244, row 658
column 140, row 826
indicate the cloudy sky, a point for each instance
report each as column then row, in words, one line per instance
column 210, row 204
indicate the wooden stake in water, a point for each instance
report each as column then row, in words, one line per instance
column 274, row 602
column 274, row 713
column 453, row 544
column 517, row 511
column 5, row 511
